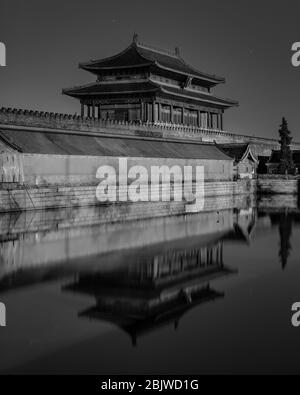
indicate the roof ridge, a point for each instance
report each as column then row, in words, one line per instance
column 178, row 56
column 233, row 143
column 156, row 49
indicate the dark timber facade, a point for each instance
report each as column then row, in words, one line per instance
column 149, row 85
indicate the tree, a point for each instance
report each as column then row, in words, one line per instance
column 285, row 231
column 286, row 165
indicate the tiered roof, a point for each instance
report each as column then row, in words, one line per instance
column 139, row 55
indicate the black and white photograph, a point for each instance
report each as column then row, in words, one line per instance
column 149, row 190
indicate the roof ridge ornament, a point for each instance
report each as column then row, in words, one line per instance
column 177, row 52
column 135, row 38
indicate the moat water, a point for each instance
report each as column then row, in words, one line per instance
column 207, row 292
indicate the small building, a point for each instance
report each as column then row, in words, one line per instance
column 146, row 84
column 274, row 161
column 245, row 162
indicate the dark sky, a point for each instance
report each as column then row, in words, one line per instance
column 247, row 42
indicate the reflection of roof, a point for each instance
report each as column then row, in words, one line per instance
column 138, row 54
column 137, row 323
column 275, row 156
column 238, row 151
column 84, row 144
column 127, row 292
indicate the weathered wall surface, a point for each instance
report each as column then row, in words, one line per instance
column 71, row 169
column 52, row 121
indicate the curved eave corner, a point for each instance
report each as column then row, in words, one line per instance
column 223, row 151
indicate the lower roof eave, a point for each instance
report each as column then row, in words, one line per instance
column 210, row 100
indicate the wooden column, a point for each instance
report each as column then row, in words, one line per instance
column 153, row 111
column 171, row 114
column 82, row 109
column 99, row 111
column 182, row 115
column 93, row 110
column 218, row 121
column 159, row 112
column 142, row 110
column 89, row 111
column 221, row 121
column 206, row 121
column 199, row 119
column 210, row 120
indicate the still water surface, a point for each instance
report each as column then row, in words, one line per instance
column 209, row 292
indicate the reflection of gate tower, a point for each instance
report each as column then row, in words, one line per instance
column 154, row 290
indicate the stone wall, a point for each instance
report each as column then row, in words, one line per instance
column 46, row 120
column 40, row 198
column 269, row 185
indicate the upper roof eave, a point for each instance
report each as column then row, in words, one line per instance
column 215, row 80
column 141, row 50
column 93, row 62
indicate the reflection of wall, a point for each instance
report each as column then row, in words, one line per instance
column 33, row 244
column 61, row 241
column 278, row 202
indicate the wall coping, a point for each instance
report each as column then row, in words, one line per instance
column 16, row 116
